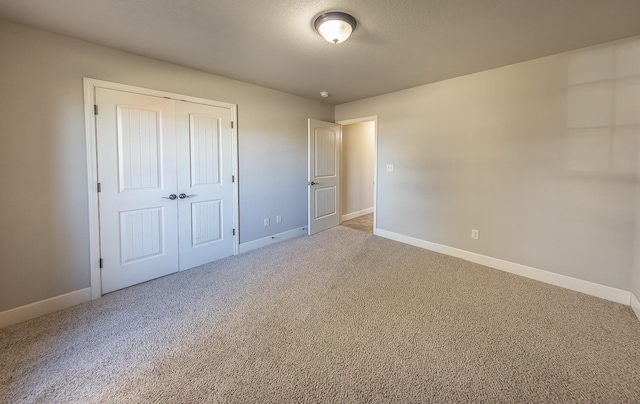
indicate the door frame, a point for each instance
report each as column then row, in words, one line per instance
column 89, row 86
column 371, row 118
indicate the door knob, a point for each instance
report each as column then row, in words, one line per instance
column 313, row 183
column 172, row 197
column 183, row 195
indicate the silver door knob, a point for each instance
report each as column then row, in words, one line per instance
column 183, row 195
column 313, row 183
column 172, row 197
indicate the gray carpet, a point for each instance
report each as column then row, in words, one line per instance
column 341, row 317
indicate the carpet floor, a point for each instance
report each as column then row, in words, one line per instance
column 339, row 317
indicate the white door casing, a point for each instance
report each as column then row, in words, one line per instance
column 136, row 143
column 147, row 148
column 205, row 172
column 324, row 175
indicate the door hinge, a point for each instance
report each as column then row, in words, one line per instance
column 99, row 187
column 231, row 124
column 95, row 109
column 100, row 263
column 234, row 232
column 233, row 178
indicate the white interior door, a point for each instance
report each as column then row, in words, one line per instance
column 324, row 175
column 136, row 142
column 205, row 183
column 165, row 170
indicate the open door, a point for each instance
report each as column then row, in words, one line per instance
column 324, row 175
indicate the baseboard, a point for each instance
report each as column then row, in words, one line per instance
column 567, row 282
column 276, row 238
column 47, row 306
column 353, row 215
column 635, row 305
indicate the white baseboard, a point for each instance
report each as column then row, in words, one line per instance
column 635, row 305
column 47, row 306
column 353, row 215
column 276, row 238
column 567, row 282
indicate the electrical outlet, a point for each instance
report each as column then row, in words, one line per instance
column 267, row 222
column 475, row 234
column 389, row 168
column 279, row 219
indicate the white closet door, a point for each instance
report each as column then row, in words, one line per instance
column 136, row 142
column 205, row 170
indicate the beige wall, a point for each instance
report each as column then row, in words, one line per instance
column 44, row 247
column 358, row 152
column 539, row 156
column 635, row 276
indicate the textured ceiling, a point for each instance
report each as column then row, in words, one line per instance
column 397, row 44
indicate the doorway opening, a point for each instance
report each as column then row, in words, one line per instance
column 327, row 156
column 357, row 182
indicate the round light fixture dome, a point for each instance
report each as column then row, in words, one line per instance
column 335, row 26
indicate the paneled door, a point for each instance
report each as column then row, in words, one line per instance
column 136, row 140
column 166, row 192
column 324, row 175
column 205, row 201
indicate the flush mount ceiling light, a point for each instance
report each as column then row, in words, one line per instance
column 335, row 26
